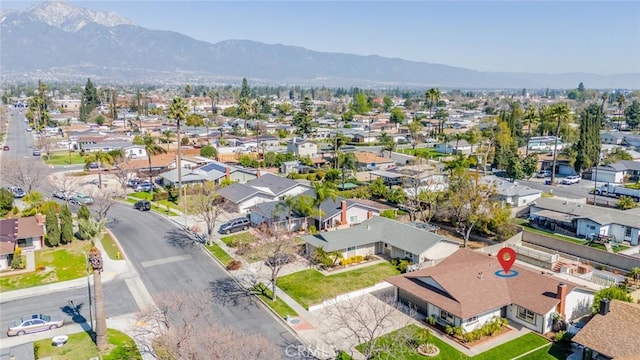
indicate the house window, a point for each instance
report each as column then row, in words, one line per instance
column 408, row 255
column 351, row 248
column 25, row 243
column 472, row 320
column 592, row 227
column 627, row 232
column 526, row 315
column 353, row 219
column 446, row 316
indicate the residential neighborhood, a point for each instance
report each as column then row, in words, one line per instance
column 226, row 216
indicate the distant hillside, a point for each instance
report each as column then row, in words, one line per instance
column 56, row 40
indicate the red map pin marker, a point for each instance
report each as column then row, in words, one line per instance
column 506, row 257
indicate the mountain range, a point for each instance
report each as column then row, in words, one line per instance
column 54, row 40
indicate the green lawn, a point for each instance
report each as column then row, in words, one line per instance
column 81, row 347
column 310, row 287
column 62, row 158
column 426, row 153
column 142, row 195
column 239, row 239
column 63, row 263
column 553, row 352
column 219, row 253
column 508, row 350
column 110, row 247
column 280, row 307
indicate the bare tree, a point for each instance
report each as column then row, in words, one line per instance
column 26, row 174
column 207, row 205
column 360, row 320
column 122, row 171
column 182, row 326
column 46, row 144
column 279, row 253
column 103, row 200
column 67, row 185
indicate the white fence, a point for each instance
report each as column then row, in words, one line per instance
column 354, row 294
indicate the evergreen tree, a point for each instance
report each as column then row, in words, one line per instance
column 89, row 100
column 66, row 226
column 303, row 119
column 632, row 113
column 588, row 145
column 84, row 212
column 53, row 229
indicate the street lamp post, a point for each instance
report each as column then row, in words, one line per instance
column 86, row 261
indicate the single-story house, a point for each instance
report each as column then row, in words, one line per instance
column 511, row 193
column 614, row 138
column 587, row 220
column 268, row 187
column 289, row 167
column 618, row 172
column 632, row 140
column 159, row 163
column 544, row 143
column 465, row 290
column 343, row 212
column 214, row 171
column 613, row 333
column 25, row 232
column 454, row 147
column 380, row 235
column 369, row 161
column 107, row 146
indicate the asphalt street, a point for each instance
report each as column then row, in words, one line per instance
column 168, row 261
column 71, row 305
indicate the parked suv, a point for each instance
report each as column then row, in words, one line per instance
column 234, row 225
column 572, row 179
column 142, row 205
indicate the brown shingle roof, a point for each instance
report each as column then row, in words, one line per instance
column 471, row 286
column 8, row 235
column 162, row 160
column 368, row 158
column 615, row 334
column 28, row 227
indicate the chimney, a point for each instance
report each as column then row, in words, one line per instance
column 369, row 214
column 604, row 306
column 40, row 219
column 343, row 214
column 227, row 174
column 561, row 294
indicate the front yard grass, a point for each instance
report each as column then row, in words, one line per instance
column 508, row 350
column 81, row 347
column 66, row 262
column 310, row 287
column 280, row 307
column 110, row 247
column 219, row 253
column 62, row 158
column 142, row 195
column 239, row 239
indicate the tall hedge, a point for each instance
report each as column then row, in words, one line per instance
column 66, row 225
column 52, row 227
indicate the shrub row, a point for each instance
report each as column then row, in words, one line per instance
column 352, row 260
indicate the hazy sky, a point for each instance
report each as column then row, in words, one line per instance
column 542, row 36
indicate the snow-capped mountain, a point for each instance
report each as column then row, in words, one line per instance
column 60, row 14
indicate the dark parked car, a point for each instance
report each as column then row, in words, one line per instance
column 5, row 148
column 142, row 205
column 234, row 225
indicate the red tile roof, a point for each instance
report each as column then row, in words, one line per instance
column 471, row 286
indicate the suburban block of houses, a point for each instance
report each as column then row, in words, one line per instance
column 587, row 220
column 26, row 233
column 464, row 290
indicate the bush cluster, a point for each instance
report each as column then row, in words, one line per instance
column 234, row 265
column 401, row 264
column 157, row 196
column 352, row 260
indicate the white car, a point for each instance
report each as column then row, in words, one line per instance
column 572, row 179
column 543, row 174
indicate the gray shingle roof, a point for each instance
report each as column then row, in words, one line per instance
column 273, row 184
column 600, row 215
column 376, row 229
column 237, row 192
column 507, row 188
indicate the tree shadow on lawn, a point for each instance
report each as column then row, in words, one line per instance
column 180, row 239
column 227, row 292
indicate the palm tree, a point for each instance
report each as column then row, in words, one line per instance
column 530, row 117
column 288, row 204
column 323, row 192
column 560, row 113
column 446, row 138
column 100, row 158
column 244, row 108
column 433, row 96
column 167, row 135
column 178, row 112
column 346, row 161
column 95, row 260
column 621, row 101
column 150, row 146
column 459, row 136
column 387, row 142
column 213, row 95
column 604, row 97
